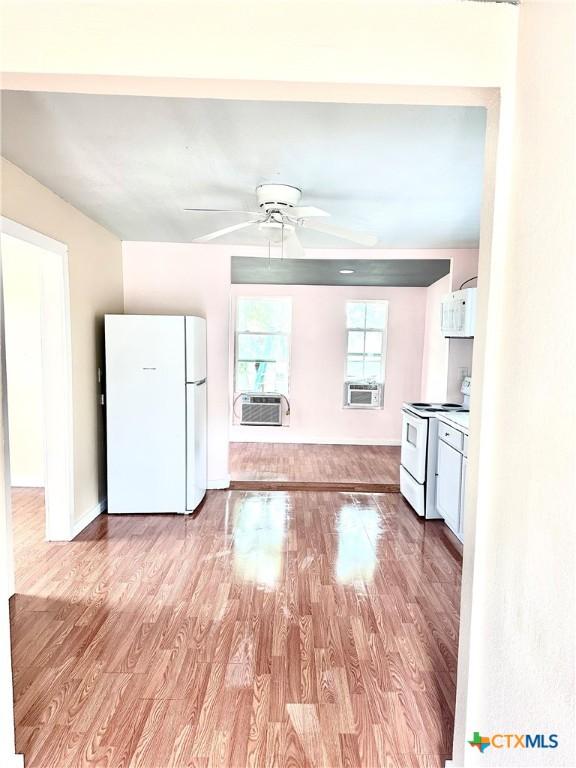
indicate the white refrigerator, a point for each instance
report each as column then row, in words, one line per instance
column 155, row 413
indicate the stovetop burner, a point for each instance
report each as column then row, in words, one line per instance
column 438, row 407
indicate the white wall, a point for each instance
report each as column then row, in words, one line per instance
column 318, row 361
column 21, row 279
column 7, row 747
column 440, row 43
column 517, row 649
column 95, row 281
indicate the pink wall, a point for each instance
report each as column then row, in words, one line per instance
column 317, row 365
column 435, row 352
column 460, row 350
column 169, row 278
column 177, row 278
column 443, row 359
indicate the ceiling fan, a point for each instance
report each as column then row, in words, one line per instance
column 280, row 217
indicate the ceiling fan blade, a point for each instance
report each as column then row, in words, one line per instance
column 220, row 210
column 293, row 247
column 225, row 231
column 305, row 211
column 346, row 234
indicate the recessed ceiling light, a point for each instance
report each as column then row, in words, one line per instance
column 346, row 271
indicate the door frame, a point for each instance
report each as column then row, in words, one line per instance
column 56, row 384
column 493, row 91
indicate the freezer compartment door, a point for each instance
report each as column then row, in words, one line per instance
column 195, row 444
column 195, row 349
column 145, row 414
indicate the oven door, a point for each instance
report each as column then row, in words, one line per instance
column 414, row 441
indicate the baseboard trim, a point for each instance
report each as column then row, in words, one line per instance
column 26, row 482
column 267, row 437
column 87, row 518
column 218, row 483
column 319, row 487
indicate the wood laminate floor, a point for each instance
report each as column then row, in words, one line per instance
column 284, row 630
column 334, row 465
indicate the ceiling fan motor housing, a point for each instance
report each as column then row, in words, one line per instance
column 272, row 197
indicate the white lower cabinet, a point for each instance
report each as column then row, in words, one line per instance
column 449, row 485
column 462, row 496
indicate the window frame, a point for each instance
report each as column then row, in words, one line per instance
column 366, row 329
column 237, row 333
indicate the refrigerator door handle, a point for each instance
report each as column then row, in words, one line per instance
column 195, row 445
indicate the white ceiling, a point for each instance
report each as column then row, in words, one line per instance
column 410, row 175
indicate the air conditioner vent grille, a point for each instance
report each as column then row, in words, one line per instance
column 361, row 397
column 262, row 410
column 363, row 387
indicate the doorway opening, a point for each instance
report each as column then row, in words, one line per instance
column 336, row 304
column 37, row 402
column 346, row 571
column 325, row 355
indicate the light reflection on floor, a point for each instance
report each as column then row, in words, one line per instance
column 259, row 530
column 359, row 529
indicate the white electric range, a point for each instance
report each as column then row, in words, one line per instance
column 418, row 456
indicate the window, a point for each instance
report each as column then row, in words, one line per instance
column 366, row 340
column 262, row 344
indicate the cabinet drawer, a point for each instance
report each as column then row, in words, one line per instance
column 412, row 491
column 450, row 435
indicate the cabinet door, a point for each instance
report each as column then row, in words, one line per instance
column 448, row 484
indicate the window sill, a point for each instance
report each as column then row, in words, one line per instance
column 363, row 407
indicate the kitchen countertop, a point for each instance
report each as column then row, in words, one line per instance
column 459, row 420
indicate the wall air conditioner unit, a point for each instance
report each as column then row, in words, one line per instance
column 358, row 395
column 261, row 409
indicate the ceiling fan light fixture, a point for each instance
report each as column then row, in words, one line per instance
column 275, row 230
